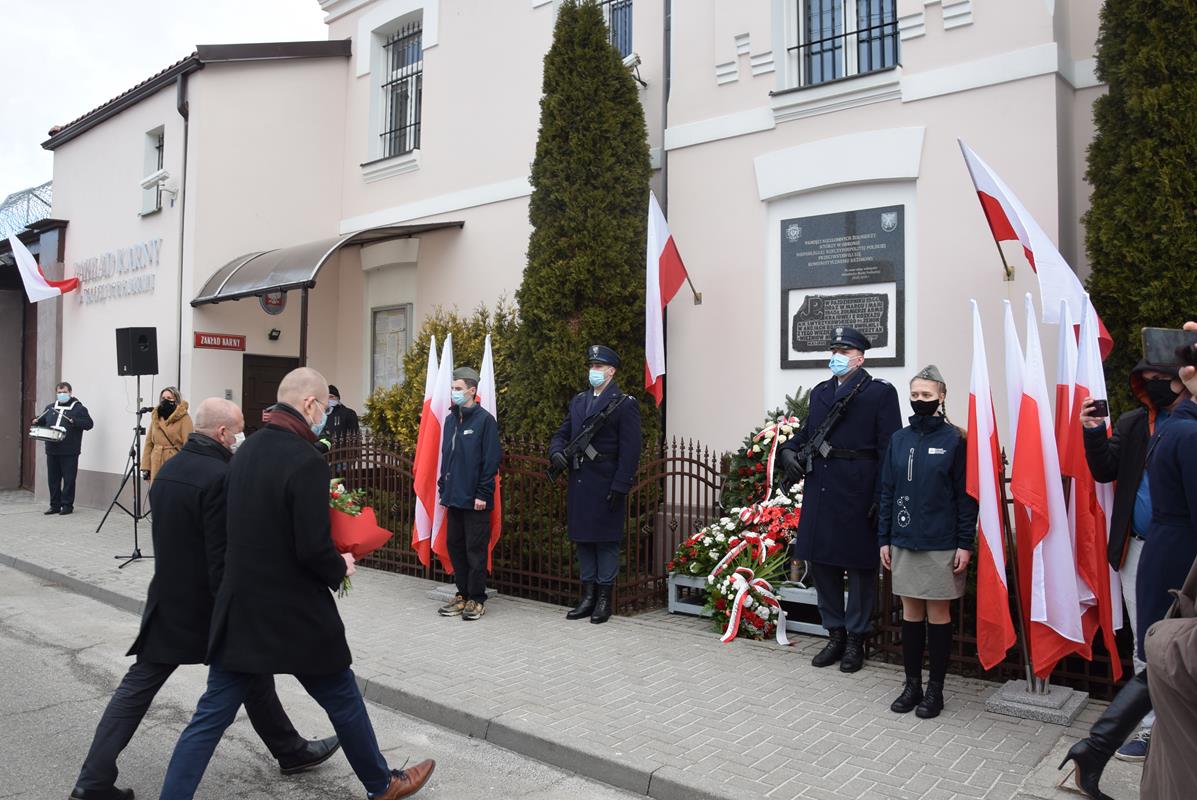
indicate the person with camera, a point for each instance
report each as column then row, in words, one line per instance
column 838, row 451
column 170, row 425
column 68, row 415
column 470, row 455
column 926, row 528
column 1169, row 547
column 597, row 447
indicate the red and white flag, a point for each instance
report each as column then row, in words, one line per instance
column 1015, row 359
column 37, row 286
column 428, row 533
column 1010, row 221
column 1090, row 506
column 1055, row 629
column 995, row 629
column 1066, row 355
column 665, row 275
column 487, row 398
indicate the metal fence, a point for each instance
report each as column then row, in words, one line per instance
column 676, row 492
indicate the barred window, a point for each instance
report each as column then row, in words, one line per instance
column 841, row 38
column 402, row 87
column 618, row 14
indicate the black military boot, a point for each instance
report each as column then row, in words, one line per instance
column 585, row 606
column 833, row 651
column 602, row 606
column 1117, row 722
column 914, row 638
column 912, row 695
column 932, row 701
column 853, row 658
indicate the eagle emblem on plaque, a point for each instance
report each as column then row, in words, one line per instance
column 889, row 221
column 793, row 232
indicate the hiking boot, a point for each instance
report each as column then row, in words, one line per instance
column 453, row 608
column 473, row 610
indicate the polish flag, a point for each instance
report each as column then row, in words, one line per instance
column 487, row 395
column 1022, row 520
column 1010, row 221
column 1066, row 356
column 1091, row 503
column 995, row 630
column 664, row 277
column 37, row 286
column 428, row 534
column 1055, row 629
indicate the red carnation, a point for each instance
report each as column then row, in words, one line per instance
column 720, row 603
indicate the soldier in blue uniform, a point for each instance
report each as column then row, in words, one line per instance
column 600, row 476
column 837, row 532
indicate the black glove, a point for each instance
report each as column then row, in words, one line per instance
column 559, row 462
column 616, row 500
column 789, row 464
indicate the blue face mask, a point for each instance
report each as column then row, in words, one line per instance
column 319, row 426
column 63, row 398
column 839, row 364
column 459, row 398
column 597, row 376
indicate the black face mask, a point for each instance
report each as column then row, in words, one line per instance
column 166, row 408
column 924, row 408
column 1159, row 392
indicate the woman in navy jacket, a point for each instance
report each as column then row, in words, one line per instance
column 927, row 527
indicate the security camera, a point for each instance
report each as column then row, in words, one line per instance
column 153, row 179
column 631, row 60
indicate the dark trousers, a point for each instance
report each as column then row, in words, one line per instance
column 862, row 592
column 61, row 471
column 467, row 536
column 337, row 694
column 598, row 562
column 132, row 700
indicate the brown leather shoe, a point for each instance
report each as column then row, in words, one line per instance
column 406, row 782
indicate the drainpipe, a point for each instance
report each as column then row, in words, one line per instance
column 182, row 106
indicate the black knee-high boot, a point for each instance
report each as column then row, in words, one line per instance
column 914, row 636
column 939, row 646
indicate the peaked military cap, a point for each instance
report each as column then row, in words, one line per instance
column 930, row 373
column 598, row 354
column 844, row 336
column 465, row 374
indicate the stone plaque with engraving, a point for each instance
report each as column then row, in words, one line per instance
column 843, row 269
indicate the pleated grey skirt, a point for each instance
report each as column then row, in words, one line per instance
column 926, row 574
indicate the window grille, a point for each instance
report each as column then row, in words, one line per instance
column 402, row 87
column 842, row 38
column 618, row 14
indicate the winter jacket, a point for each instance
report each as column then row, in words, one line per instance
column 924, row 502
column 470, row 455
column 341, row 423
column 165, row 438
column 73, row 417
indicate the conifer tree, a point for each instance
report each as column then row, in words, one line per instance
column 584, row 280
column 1141, row 227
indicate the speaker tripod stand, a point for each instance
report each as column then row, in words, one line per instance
column 132, row 473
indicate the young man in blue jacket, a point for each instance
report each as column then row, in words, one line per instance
column 470, row 455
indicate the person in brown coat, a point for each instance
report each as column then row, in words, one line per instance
column 170, row 425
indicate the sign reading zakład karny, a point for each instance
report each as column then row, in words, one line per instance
column 219, row 341
column 119, row 273
column 843, row 269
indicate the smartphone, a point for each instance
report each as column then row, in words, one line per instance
column 1100, row 408
column 1165, row 347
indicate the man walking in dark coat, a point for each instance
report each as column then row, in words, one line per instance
column 470, row 455
column 68, row 415
column 275, row 611
column 837, row 531
column 342, row 420
column 189, row 543
column 600, row 477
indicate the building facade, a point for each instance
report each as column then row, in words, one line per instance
column 316, row 201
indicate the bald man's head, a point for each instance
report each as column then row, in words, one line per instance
column 219, row 419
column 305, row 390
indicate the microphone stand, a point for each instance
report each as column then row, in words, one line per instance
column 132, row 472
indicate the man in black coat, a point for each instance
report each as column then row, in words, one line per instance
column 189, row 544
column 837, row 532
column 600, row 478
column 70, row 416
column 342, row 420
column 275, row 611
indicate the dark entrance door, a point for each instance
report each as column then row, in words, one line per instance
column 260, row 377
column 29, row 407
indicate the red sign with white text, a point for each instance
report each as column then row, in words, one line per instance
column 220, row 341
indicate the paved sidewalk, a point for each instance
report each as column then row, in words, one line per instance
column 654, row 704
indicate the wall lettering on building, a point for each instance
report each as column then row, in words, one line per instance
column 220, row 341
column 843, row 269
column 119, row 273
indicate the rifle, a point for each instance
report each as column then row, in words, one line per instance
column 581, row 447
column 817, row 443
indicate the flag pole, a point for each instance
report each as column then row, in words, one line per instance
column 1032, row 683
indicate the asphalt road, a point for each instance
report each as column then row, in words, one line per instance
column 61, row 655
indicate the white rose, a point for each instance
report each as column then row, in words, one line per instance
column 767, row 435
column 731, row 526
column 748, row 602
column 756, row 448
column 782, row 438
column 710, row 579
column 725, row 520
column 787, row 428
column 714, row 553
column 719, row 537
column 706, row 540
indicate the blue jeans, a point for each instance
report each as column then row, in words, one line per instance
column 598, row 562
column 337, row 694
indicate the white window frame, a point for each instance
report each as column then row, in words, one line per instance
column 793, row 24
column 153, row 159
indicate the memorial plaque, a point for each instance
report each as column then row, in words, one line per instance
column 844, row 269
